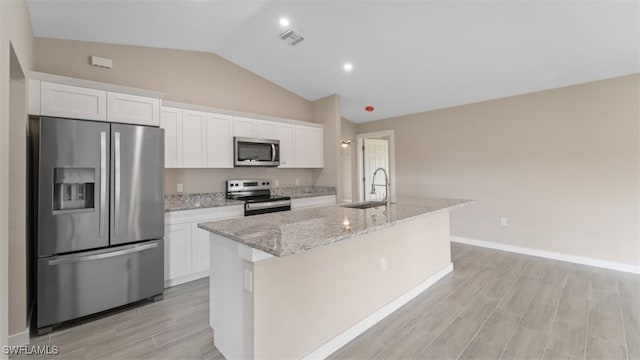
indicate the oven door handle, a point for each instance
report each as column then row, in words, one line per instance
column 269, row 204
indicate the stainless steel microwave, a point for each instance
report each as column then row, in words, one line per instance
column 256, row 152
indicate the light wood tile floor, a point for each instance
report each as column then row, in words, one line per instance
column 495, row 305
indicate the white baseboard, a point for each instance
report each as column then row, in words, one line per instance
column 185, row 279
column 19, row 339
column 635, row 269
column 351, row 333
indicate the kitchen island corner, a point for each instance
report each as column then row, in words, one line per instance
column 301, row 284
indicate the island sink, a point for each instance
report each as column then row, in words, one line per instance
column 364, row 205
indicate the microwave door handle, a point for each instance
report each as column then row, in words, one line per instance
column 273, row 152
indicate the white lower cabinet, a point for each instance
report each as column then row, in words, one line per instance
column 177, row 251
column 186, row 249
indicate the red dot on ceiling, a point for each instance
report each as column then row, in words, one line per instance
column 369, row 108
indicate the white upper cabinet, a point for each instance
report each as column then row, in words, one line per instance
column 194, row 139
column 244, row 127
column 72, row 102
column 316, row 147
column 133, row 109
column 309, row 147
column 171, row 122
column 265, row 129
column 219, row 141
column 76, row 102
column 286, row 133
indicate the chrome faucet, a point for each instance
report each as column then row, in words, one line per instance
column 386, row 184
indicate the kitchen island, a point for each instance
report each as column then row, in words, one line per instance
column 301, row 284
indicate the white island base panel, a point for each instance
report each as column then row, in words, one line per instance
column 312, row 303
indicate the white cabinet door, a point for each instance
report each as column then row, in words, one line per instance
column 265, row 129
column 133, row 109
column 286, row 133
column 177, row 251
column 194, row 137
column 171, row 122
column 309, row 145
column 301, row 146
column 219, row 141
column 316, row 147
column 72, row 102
column 244, row 127
column 199, row 248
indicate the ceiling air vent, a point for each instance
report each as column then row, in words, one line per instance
column 293, row 36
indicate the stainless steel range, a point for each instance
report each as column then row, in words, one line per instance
column 257, row 196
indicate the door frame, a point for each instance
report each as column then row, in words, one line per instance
column 392, row 160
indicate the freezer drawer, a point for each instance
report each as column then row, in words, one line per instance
column 71, row 286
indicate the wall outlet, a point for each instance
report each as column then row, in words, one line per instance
column 504, row 221
column 180, row 188
column 297, row 182
column 277, row 183
column 383, row 264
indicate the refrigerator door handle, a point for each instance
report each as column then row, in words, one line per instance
column 67, row 259
column 103, row 181
column 116, row 219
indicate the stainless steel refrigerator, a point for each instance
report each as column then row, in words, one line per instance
column 99, row 216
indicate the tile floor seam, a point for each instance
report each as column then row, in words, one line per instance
column 488, row 317
column 586, row 335
column 624, row 330
column 553, row 324
column 517, row 324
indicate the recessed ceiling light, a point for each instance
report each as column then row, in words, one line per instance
column 284, row 21
column 348, row 67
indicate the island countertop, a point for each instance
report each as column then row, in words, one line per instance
column 292, row 232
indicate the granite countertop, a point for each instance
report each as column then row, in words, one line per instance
column 209, row 200
column 292, row 232
column 197, row 201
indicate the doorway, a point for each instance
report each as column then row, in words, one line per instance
column 376, row 151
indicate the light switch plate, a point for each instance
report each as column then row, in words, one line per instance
column 180, row 188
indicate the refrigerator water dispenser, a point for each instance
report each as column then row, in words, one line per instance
column 73, row 189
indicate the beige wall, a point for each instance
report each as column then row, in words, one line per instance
column 350, row 175
column 562, row 165
column 15, row 32
column 212, row 180
column 314, row 296
column 187, row 76
column 327, row 111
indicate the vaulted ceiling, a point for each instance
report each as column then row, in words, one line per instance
column 407, row 56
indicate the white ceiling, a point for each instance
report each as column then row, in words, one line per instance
column 408, row 56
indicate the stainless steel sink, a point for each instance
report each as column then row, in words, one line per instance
column 364, row 205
